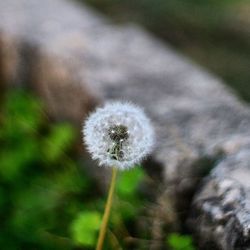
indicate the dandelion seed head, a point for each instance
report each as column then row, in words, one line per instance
column 118, row 134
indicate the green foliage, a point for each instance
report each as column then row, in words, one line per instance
column 85, row 227
column 40, row 182
column 180, row 242
column 129, row 201
column 128, row 182
column 58, row 141
column 21, row 116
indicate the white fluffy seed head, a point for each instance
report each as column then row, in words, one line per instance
column 118, row 134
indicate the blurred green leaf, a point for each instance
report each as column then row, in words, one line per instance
column 128, row 203
column 66, row 180
column 180, row 242
column 15, row 160
column 22, row 112
column 128, row 181
column 2, row 198
column 37, row 200
column 58, row 141
column 85, row 227
column 33, row 209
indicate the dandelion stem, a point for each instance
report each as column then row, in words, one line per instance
column 106, row 214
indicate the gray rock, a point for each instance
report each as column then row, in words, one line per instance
column 221, row 208
column 75, row 59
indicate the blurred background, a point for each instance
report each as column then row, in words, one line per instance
column 214, row 33
column 47, row 199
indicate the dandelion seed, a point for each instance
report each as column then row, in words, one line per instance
column 118, row 134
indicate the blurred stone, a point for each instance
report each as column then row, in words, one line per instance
column 75, row 59
column 221, row 208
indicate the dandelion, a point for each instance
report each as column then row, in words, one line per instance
column 118, row 135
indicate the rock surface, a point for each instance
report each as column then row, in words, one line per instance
column 75, row 59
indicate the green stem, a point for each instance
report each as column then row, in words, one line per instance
column 108, row 205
